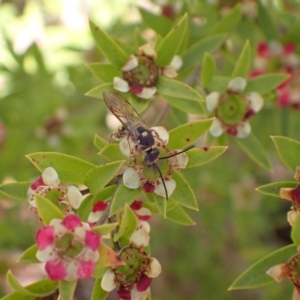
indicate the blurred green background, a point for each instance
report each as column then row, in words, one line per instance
column 44, row 46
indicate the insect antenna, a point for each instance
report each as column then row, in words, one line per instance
column 184, row 150
column 162, row 179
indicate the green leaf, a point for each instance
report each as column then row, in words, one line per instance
column 105, row 72
column 123, row 196
column 17, row 287
column 199, row 156
column 112, row 152
column 179, row 215
column 266, row 23
column 254, row 149
column 128, row 224
column 187, row 134
column 105, row 228
column 86, row 207
column 15, row 190
column 218, row 84
column 171, row 43
column 99, row 176
column 29, row 255
column 69, row 168
column 98, row 293
column 183, row 194
column 47, row 210
column 159, row 24
column 243, row 63
column 67, row 289
column 265, row 83
column 288, row 150
column 108, row 47
column 295, row 234
column 194, row 55
column 256, row 276
column 208, row 69
column 97, row 92
column 273, row 189
column 99, row 142
column 229, row 21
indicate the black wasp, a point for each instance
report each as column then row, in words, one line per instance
column 137, row 129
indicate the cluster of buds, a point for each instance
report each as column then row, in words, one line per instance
column 49, row 181
column 233, row 109
column 140, row 73
column 154, row 177
column 275, row 57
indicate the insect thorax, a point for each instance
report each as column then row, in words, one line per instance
column 146, row 139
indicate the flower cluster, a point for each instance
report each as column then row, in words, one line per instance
column 274, row 56
column 156, row 176
column 140, row 73
column 69, row 248
column 233, row 109
column 49, row 181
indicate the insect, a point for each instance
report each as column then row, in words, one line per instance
column 137, row 129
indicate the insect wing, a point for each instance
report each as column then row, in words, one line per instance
column 124, row 112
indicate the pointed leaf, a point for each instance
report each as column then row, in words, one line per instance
column 159, row 24
column 29, row 255
column 123, row 196
column 105, row 228
column 288, row 150
column 67, row 289
column 187, row 134
column 218, row 84
column 128, row 224
column 112, row 152
column 265, row 83
column 105, row 72
column 156, row 204
column 243, row 63
column 208, row 69
column 199, row 156
column 108, row 257
column 183, row 194
column 86, row 207
column 99, row 142
column 69, row 168
column 171, row 43
column 179, row 215
column 273, row 189
column 194, row 55
column 98, row 293
column 97, row 92
column 47, row 210
column 15, row 190
column 108, row 47
column 266, row 24
column 98, row 177
column 254, row 149
column 256, row 276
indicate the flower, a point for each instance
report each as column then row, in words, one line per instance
column 97, row 211
column 233, row 109
column 140, row 73
column 49, row 180
column 151, row 168
column 293, row 194
column 289, row 270
column 69, row 248
column 143, row 214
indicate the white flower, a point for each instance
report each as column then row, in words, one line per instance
column 131, row 178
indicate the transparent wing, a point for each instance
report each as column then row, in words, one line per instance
column 124, row 112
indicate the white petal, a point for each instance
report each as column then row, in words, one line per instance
column 169, row 71
column 108, row 282
column 176, row 62
column 89, row 254
column 148, row 50
column 71, row 268
column 94, row 216
column 31, row 197
column 143, row 211
column 59, row 229
column 237, row 84
column 155, row 268
column 243, row 130
column 256, row 101
column 162, row 133
column 121, row 85
column 46, row 254
column 50, row 177
column 216, row 128
column 275, row 47
column 144, row 225
column 181, row 160
column 131, row 63
column 147, row 92
column 74, row 196
column 136, row 295
column 291, row 217
column 212, row 101
column 127, row 145
column 140, row 238
column 292, row 60
column 131, row 178
column 170, row 186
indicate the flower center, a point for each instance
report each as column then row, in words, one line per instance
column 144, row 75
column 232, row 109
column 294, row 270
column 67, row 246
